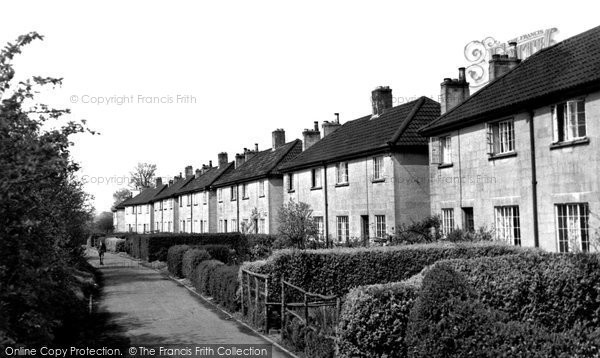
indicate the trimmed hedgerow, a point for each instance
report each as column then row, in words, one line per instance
column 203, row 274
column 175, row 259
column 191, row 259
column 336, row 271
column 556, row 291
column 218, row 252
column 151, row 247
column 447, row 320
column 373, row 319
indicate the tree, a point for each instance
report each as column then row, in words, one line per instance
column 121, row 195
column 44, row 212
column 104, row 222
column 142, row 176
column 297, row 224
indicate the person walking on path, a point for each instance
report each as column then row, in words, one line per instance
column 101, row 251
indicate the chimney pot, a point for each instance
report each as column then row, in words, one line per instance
column 337, row 117
column 461, row 74
column 454, row 91
column 223, row 160
column 381, row 99
column 278, row 138
column 210, row 163
column 256, row 147
column 170, row 182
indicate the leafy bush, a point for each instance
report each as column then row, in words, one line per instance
column 152, row 247
column 219, row 252
column 191, row 259
column 260, row 246
column 203, row 274
column 175, row 259
column 556, row 291
column 424, row 231
column 459, row 235
column 374, row 318
column 336, row 271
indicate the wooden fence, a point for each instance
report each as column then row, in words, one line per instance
column 255, row 297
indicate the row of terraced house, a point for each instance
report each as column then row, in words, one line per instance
column 521, row 155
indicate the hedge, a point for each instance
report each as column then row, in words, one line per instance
column 191, row 259
column 151, row 247
column 218, row 252
column 175, row 259
column 336, row 271
column 448, row 320
column 374, row 318
column 557, row 291
column 114, row 244
column 215, row 279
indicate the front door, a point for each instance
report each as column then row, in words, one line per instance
column 365, row 229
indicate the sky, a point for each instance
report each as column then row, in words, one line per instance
column 174, row 83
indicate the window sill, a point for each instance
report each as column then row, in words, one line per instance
column 233, row 200
column 291, row 191
column 502, row 155
column 316, row 188
column 381, row 180
column 339, row 185
column 246, row 198
column 261, row 196
column 571, row 143
column 445, row 165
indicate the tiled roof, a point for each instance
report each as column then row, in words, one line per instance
column 264, row 163
column 569, row 68
column 123, row 203
column 207, row 179
column 145, row 196
column 398, row 126
column 173, row 189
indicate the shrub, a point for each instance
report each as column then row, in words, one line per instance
column 203, row 274
column 459, row 235
column 218, row 252
column 175, row 259
column 223, row 287
column 373, row 319
column 152, row 247
column 191, row 259
column 260, row 246
column 556, row 291
column 424, row 231
column 336, row 271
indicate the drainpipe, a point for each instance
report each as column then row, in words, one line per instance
column 536, row 235
column 326, row 205
column 366, row 240
column 237, row 203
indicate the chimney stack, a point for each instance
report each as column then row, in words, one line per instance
column 170, row 182
column 381, row 100
column 158, row 182
column 500, row 64
column 330, row 127
column 222, row 159
column 278, row 138
column 250, row 153
column 240, row 158
column 310, row 136
column 454, row 91
column 198, row 173
column 189, row 171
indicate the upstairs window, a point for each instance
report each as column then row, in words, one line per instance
column 188, row 199
column 220, row 194
column 342, row 173
column 233, row 193
column 441, row 150
column 377, row 168
column 568, row 120
column 205, row 197
column 290, row 182
column 244, row 191
column 501, row 137
column 316, row 177
column 181, row 201
column 261, row 188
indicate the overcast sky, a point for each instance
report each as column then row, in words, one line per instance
column 246, row 67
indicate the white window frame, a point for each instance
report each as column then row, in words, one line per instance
column 380, row 226
column 508, row 224
column 233, row 193
column 290, row 182
column 447, row 221
column 341, row 173
column 378, row 167
column 245, row 194
column 501, row 137
column 320, row 226
column 572, row 226
column 315, row 177
column 446, row 149
column 343, row 228
column 573, row 124
column 261, row 188
column 220, row 194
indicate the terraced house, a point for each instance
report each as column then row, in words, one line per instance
column 250, row 196
column 369, row 175
column 522, row 155
column 139, row 215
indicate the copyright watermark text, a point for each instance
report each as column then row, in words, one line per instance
column 120, row 100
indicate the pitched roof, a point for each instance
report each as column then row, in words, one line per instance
column 398, row 126
column 207, row 179
column 145, row 196
column 122, row 204
column 569, row 68
column 264, row 163
column 172, row 189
